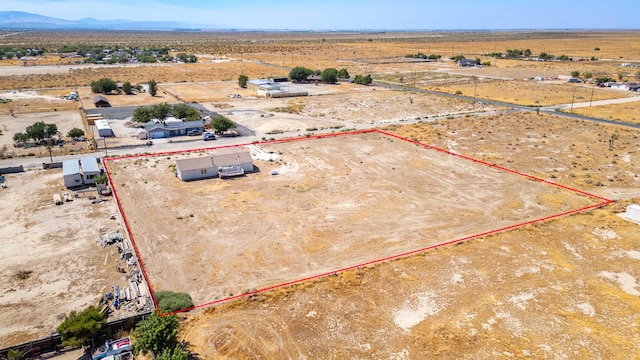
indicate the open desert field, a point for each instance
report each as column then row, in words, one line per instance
column 627, row 112
column 560, row 288
column 350, row 106
column 533, row 93
column 326, row 210
column 52, row 261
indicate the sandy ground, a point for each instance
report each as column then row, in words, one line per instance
column 59, row 246
column 345, row 222
column 359, row 105
column 565, row 288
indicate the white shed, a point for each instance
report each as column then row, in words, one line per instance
column 89, row 169
column 71, row 173
column 633, row 213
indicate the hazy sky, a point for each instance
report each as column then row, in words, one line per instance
column 352, row 14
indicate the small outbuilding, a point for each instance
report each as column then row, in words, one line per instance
column 633, row 213
column 104, row 129
column 89, row 169
column 71, row 173
column 467, row 63
column 101, row 101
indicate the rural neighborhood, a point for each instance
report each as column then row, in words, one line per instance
column 245, row 194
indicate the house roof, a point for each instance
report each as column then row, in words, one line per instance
column 89, row 164
column 232, row 159
column 173, row 125
column 97, row 99
column 70, row 167
column 194, row 163
column 231, row 150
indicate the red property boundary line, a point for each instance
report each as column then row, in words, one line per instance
column 603, row 202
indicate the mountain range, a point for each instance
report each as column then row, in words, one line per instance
column 18, row 20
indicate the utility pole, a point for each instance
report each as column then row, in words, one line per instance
column 572, row 98
column 592, row 89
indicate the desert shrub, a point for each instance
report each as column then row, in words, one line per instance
column 171, row 301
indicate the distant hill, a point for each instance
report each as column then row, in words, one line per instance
column 19, row 20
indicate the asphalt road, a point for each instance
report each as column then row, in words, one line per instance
column 512, row 106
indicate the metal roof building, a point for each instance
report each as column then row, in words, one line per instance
column 71, row 173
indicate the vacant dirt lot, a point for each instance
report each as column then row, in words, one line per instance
column 51, row 259
column 564, row 288
column 353, row 106
column 318, row 215
column 64, row 120
column 628, row 112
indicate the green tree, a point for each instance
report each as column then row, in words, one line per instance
column 457, row 58
column 181, row 57
column 156, row 334
column 343, row 74
column 184, row 111
column 75, row 132
column 13, row 354
column 527, row 53
column 104, row 85
column 363, row 80
column 39, row 130
column 20, row 137
column 329, row 75
column 77, row 328
column 142, row 115
column 575, row 73
column 588, row 75
column 153, row 87
column 174, row 354
column 222, row 123
column 242, row 81
column 169, row 301
column 161, row 111
column 126, row 87
column 300, row 73
column 101, row 178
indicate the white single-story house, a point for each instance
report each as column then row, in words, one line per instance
column 71, row 173
column 633, row 213
column 196, row 168
column 226, row 163
column 89, row 169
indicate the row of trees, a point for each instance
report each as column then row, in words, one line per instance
column 41, row 131
column 328, row 75
column 162, row 111
column 106, row 86
column 420, row 55
column 37, row 131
